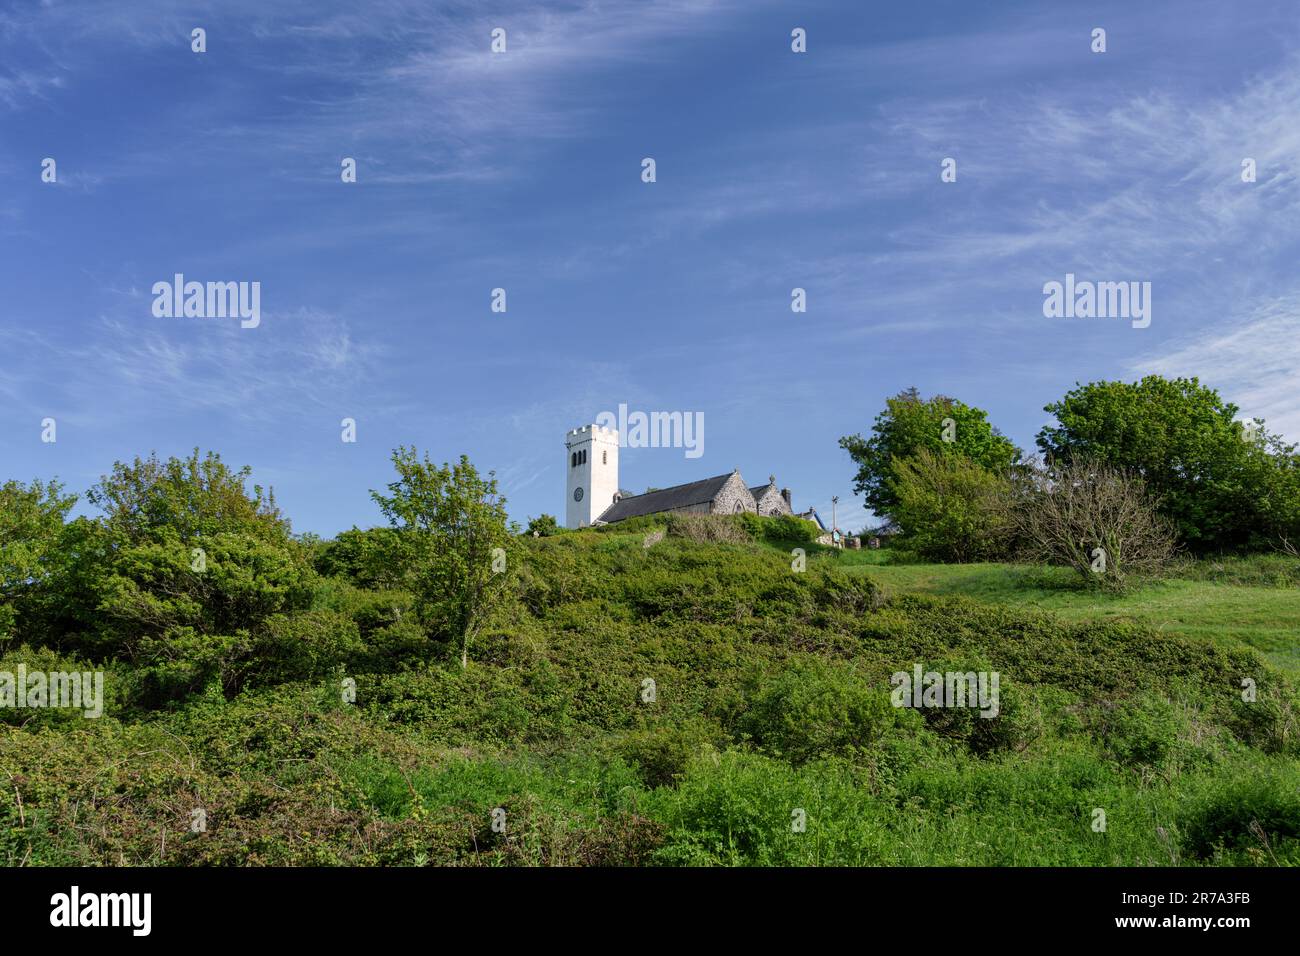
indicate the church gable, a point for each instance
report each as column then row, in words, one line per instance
column 769, row 500
column 733, row 497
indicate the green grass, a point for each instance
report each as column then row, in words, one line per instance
column 1226, row 606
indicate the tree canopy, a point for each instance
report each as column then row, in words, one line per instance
column 1224, row 484
column 452, row 537
column 910, row 423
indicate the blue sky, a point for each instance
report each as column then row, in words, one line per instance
column 522, row 170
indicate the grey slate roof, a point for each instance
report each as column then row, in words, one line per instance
column 665, row 499
column 757, row 490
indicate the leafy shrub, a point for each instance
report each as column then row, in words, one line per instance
column 949, row 508
column 661, row 754
column 114, row 703
column 1012, row 721
column 852, row 595
column 636, row 525
column 543, row 526
column 779, row 529
column 304, row 647
column 197, row 625
column 1143, row 730
column 817, row 709
column 363, row 558
column 1254, row 818
column 1271, row 722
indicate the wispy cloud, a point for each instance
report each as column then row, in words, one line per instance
column 296, row 363
column 1252, row 357
column 415, row 85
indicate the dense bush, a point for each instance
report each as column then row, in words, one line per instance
column 362, row 557
column 702, row 527
column 543, row 526
column 950, row 508
column 1250, row 819
column 779, row 529
column 817, row 709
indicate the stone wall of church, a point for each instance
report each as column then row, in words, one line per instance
column 771, row 503
column 733, row 497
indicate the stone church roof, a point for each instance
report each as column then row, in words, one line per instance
column 665, row 499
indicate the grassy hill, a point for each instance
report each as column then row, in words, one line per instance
column 1253, row 601
column 769, row 703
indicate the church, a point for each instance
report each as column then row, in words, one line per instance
column 593, row 496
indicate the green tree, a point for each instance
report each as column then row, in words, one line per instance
column 183, row 575
column 31, row 524
column 191, row 496
column 452, row 541
column 949, row 508
column 1223, row 486
column 909, row 423
column 201, row 609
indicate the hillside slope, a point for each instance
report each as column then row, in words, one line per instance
column 640, row 701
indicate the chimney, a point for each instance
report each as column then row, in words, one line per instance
column 785, row 493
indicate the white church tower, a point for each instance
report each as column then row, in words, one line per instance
column 591, row 461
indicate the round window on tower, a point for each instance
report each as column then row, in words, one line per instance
column 577, row 494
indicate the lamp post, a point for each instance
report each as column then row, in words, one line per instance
column 835, row 527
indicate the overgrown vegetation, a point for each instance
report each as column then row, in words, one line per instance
column 658, row 692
